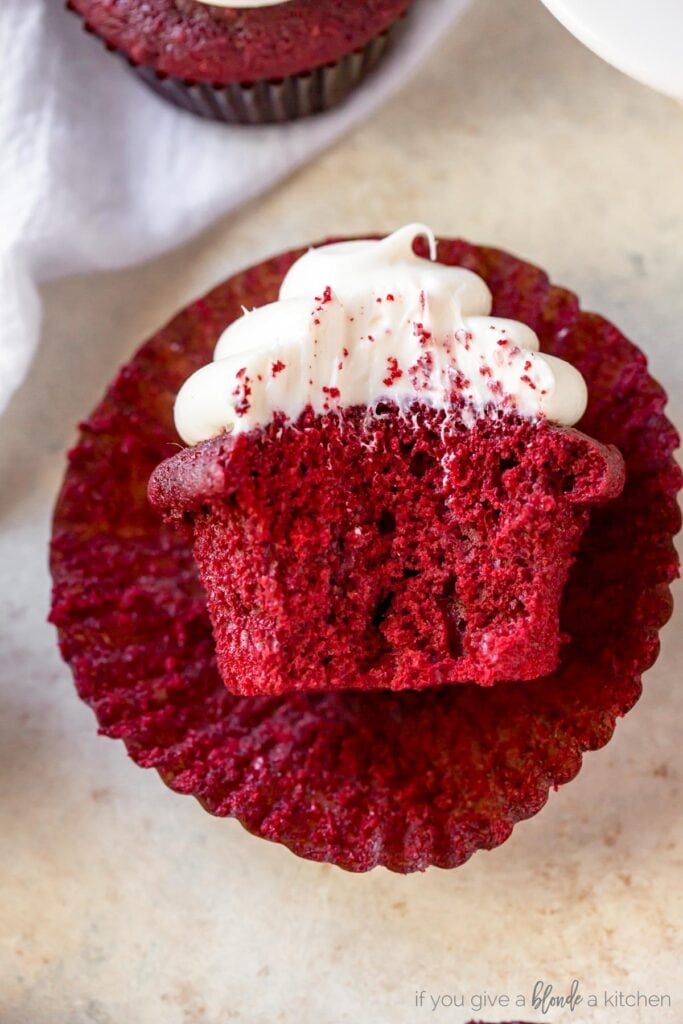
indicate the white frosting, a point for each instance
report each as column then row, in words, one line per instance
column 368, row 321
column 243, row 3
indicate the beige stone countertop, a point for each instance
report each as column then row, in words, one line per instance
column 122, row 901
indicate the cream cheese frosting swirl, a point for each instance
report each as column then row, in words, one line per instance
column 243, row 3
column 362, row 322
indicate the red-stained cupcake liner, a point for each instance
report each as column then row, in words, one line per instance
column 357, row 779
column 266, row 101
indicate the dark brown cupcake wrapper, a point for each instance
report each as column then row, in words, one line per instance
column 267, row 101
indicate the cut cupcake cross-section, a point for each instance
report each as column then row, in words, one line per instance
column 383, row 482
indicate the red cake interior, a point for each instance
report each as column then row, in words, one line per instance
column 357, row 778
column 364, row 549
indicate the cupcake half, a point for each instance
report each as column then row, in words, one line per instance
column 358, row 778
column 384, row 489
column 247, row 61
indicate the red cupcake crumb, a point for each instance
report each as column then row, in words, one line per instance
column 386, row 551
column 358, row 778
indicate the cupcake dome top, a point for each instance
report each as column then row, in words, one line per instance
column 196, row 41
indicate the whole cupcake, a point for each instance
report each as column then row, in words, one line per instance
column 247, row 61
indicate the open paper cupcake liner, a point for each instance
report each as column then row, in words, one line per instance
column 266, row 101
column 357, row 779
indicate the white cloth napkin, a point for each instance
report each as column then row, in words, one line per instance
column 97, row 172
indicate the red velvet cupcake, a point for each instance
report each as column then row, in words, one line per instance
column 382, row 496
column 359, row 778
column 247, row 61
